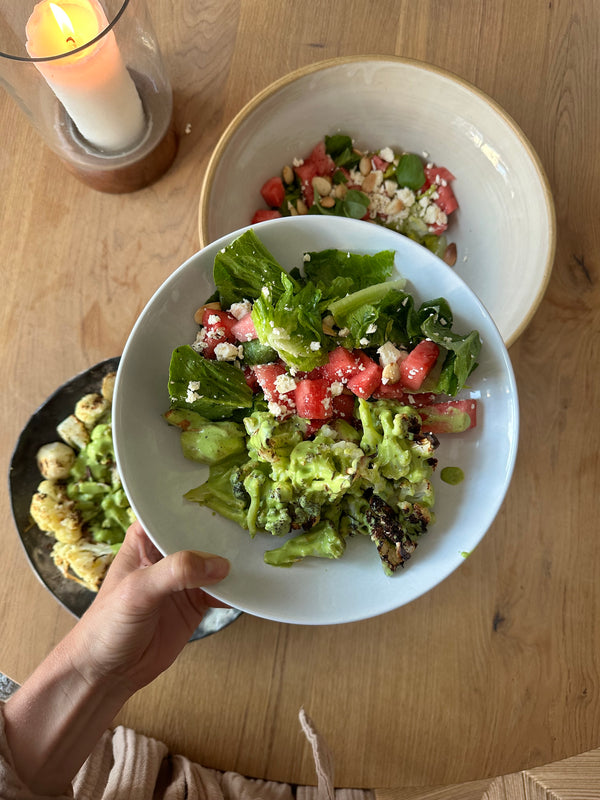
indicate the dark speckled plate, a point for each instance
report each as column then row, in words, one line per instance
column 24, row 478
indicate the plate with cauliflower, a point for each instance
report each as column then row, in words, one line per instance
column 71, row 565
column 68, row 503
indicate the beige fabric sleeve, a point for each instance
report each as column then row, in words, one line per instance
column 127, row 764
column 11, row 786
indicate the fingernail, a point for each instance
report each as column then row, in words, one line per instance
column 216, row 567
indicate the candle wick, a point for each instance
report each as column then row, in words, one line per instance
column 71, row 41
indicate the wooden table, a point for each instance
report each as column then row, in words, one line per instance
column 495, row 670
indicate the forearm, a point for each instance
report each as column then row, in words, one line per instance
column 55, row 719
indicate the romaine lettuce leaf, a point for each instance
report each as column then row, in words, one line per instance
column 326, row 268
column 214, row 389
column 368, row 316
column 243, row 267
column 291, row 324
column 462, row 351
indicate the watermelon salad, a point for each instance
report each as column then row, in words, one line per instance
column 316, row 398
column 398, row 190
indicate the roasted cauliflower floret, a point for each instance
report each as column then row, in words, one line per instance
column 55, row 460
column 391, row 533
column 108, row 385
column 74, row 432
column 84, row 562
column 53, row 512
column 90, row 409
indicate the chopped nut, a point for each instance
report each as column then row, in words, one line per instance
column 216, row 306
column 364, row 166
column 301, row 207
column 287, row 174
column 328, row 202
column 372, row 181
column 450, row 255
column 321, row 185
column 395, row 207
column 328, row 325
column 340, row 190
column 391, row 373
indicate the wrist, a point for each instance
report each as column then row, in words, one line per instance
column 87, row 671
column 55, row 719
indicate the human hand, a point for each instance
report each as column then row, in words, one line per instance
column 145, row 612
column 143, row 615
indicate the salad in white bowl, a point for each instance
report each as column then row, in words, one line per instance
column 288, row 468
column 316, row 399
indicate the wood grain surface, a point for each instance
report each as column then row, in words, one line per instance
column 497, row 669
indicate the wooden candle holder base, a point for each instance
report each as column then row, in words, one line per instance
column 130, row 177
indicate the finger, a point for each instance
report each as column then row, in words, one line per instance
column 201, row 601
column 147, row 550
column 127, row 559
column 136, row 551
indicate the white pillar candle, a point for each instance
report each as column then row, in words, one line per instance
column 93, row 85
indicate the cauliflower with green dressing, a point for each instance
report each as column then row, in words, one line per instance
column 81, row 503
column 321, row 485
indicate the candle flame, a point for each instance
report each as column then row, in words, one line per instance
column 63, row 22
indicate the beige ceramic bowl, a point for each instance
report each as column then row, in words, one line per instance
column 505, row 226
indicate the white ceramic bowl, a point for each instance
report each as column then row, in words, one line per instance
column 316, row 591
column 505, row 226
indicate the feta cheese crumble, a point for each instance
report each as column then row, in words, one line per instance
column 192, row 393
column 285, row 383
column 388, row 354
column 225, row 351
column 240, row 310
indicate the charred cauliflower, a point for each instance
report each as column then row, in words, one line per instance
column 81, row 502
column 55, row 513
column 84, row 562
column 55, row 460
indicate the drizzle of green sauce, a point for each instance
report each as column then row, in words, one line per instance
column 465, row 553
column 452, row 475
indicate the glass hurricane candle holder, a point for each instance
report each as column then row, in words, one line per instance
column 90, row 77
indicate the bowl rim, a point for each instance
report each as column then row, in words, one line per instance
column 317, row 66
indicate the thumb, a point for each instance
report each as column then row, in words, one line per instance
column 186, row 569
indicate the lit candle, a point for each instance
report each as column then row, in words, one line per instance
column 94, row 84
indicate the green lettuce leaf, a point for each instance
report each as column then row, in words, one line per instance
column 351, row 271
column 367, row 316
column 243, row 267
column 291, row 324
column 214, row 389
column 340, row 148
column 410, row 172
column 462, row 350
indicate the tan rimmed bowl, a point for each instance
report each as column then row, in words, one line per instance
column 505, row 228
